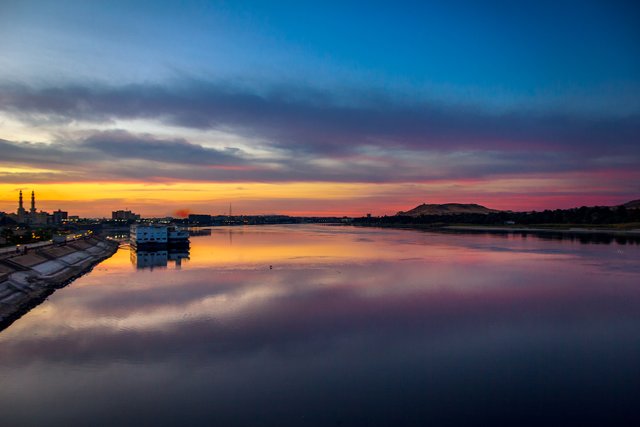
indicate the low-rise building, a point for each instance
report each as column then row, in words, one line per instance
column 59, row 216
column 121, row 215
column 199, row 219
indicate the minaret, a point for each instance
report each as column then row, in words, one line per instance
column 21, row 212
column 33, row 202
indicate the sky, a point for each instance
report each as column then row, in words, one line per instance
column 318, row 108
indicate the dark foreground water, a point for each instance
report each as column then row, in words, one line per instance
column 350, row 327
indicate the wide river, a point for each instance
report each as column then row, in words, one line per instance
column 311, row 325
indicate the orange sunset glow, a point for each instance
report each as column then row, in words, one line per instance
column 97, row 199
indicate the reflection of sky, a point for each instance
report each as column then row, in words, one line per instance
column 350, row 325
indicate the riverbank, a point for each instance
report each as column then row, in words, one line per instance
column 584, row 234
column 27, row 279
column 570, row 230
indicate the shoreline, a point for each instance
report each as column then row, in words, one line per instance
column 572, row 230
column 596, row 233
column 26, row 280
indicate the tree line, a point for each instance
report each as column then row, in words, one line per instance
column 585, row 215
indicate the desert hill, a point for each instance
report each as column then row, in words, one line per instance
column 447, row 209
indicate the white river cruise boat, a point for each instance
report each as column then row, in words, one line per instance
column 157, row 235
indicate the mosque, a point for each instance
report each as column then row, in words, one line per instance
column 32, row 216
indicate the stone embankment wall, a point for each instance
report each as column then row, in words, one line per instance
column 28, row 279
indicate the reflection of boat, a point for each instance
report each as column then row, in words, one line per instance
column 177, row 236
column 178, row 256
column 150, row 259
column 154, row 236
column 193, row 232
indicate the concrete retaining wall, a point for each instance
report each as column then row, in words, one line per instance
column 28, row 279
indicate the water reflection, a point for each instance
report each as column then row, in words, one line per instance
column 350, row 327
column 580, row 236
column 198, row 232
column 150, row 259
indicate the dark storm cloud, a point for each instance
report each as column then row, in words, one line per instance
column 316, row 122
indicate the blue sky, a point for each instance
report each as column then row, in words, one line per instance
column 453, row 51
column 326, row 91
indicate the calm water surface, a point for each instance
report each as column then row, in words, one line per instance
column 336, row 326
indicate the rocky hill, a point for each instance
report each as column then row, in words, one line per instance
column 447, row 209
column 634, row 204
